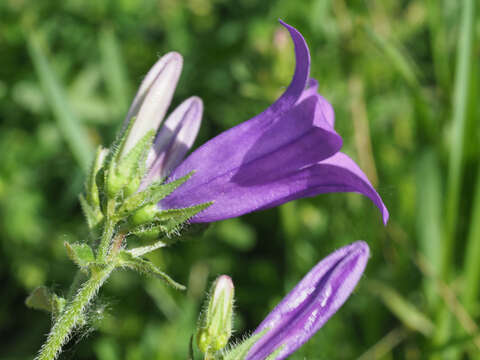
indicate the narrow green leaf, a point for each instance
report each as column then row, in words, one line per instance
column 472, row 254
column 126, row 259
column 404, row 310
column 439, row 43
column 80, row 254
column 74, row 134
column 445, row 325
column 429, row 217
column 460, row 99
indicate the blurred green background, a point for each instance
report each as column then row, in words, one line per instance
column 403, row 79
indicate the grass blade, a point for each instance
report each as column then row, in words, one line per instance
column 114, row 70
column 455, row 170
column 73, row 133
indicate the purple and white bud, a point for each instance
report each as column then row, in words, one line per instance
column 153, row 98
column 174, row 139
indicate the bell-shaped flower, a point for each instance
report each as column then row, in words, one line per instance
column 288, row 151
column 311, row 303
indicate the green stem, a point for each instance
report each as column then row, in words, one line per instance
column 72, row 315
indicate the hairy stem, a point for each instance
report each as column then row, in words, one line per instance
column 72, row 315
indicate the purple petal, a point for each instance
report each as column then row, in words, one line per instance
column 248, row 173
column 338, row 173
column 300, row 77
column 174, row 139
column 227, row 150
column 236, row 168
column 311, row 303
column 248, row 192
column 312, row 90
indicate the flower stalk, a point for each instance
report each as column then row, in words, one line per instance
column 72, row 316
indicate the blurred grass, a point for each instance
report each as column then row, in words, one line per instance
column 402, row 77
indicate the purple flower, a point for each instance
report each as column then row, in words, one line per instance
column 288, row 151
column 311, row 303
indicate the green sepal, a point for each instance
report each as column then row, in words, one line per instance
column 275, row 354
column 80, row 254
column 93, row 214
column 131, row 168
column 142, row 250
column 173, row 219
column 43, row 299
column 91, row 188
column 167, row 222
column 240, row 351
column 126, row 259
column 151, row 195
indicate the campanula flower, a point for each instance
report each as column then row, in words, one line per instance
column 311, row 303
column 288, row 151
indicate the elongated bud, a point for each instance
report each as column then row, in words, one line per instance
column 174, row 139
column 311, row 303
column 153, row 98
column 215, row 326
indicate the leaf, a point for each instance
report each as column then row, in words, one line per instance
column 146, row 267
column 43, row 299
column 80, row 254
column 240, row 351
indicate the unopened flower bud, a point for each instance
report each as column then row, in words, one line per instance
column 144, row 215
column 215, row 325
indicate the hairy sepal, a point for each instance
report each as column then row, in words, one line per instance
column 240, row 351
column 167, row 222
column 151, row 195
column 125, row 173
column 126, row 259
column 90, row 203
